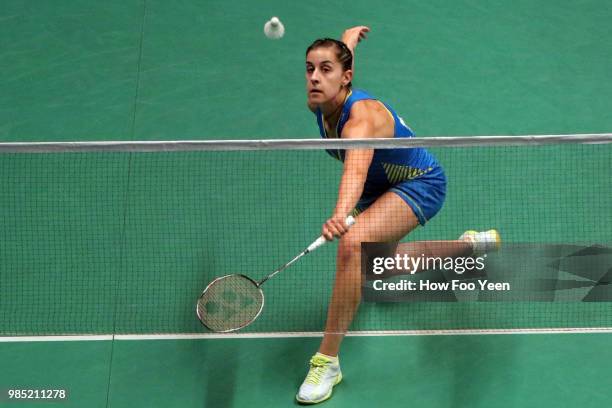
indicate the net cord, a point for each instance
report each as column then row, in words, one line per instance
column 301, row 144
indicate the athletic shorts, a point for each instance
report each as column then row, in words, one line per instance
column 424, row 195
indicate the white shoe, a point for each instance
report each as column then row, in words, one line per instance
column 324, row 373
column 482, row 242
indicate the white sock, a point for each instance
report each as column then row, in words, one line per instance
column 334, row 359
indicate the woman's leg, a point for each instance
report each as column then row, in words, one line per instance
column 388, row 219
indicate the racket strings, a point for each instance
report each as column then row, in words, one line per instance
column 230, row 303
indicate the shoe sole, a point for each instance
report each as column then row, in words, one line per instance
column 325, row 397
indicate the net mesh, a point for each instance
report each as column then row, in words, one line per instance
column 124, row 242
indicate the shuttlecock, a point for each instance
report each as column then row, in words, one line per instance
column 274, row 29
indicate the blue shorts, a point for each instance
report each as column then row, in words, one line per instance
column 424, row 195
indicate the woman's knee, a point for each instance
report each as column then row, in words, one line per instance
column 349, row 246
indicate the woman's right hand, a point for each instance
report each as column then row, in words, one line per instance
column 335, row 227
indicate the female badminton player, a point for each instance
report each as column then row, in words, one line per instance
column 391, row 190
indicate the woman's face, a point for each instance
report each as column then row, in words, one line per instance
column 324, row 75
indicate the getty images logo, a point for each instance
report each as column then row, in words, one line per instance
column 405, row 264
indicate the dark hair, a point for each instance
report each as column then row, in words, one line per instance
column 344, row 55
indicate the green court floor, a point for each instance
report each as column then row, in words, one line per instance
column 79, row 255
column 528, row 370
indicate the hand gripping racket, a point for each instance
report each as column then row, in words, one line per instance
column 232, row 302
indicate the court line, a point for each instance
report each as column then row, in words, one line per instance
column 382, row 333
column 17, row 339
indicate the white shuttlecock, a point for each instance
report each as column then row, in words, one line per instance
column 274, row 29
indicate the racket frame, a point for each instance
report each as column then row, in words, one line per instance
column 256, row 284
column 350, row 220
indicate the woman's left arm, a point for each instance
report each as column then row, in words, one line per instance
column 352, row 36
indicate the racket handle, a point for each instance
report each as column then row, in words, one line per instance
column 350, row 220
column 320, row 241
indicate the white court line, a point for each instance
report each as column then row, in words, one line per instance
column 382, row 333
column 17, row 339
